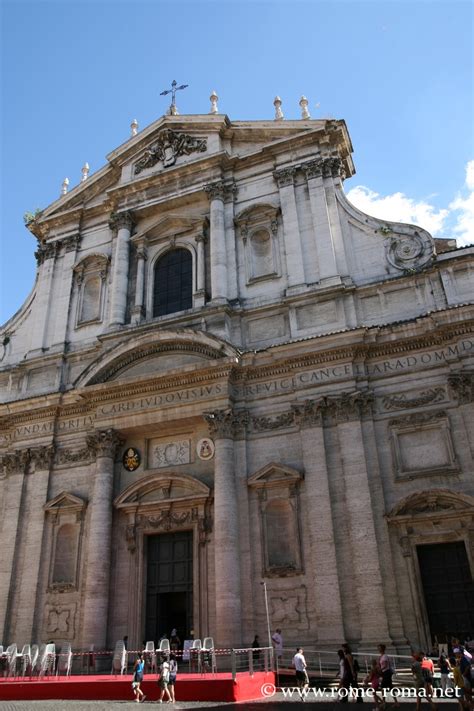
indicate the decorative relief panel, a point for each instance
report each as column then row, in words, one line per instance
column 59, row 620
column 289, row 609
column 168, row 454
column 422, row 445
column 426, row 397
column 169, row 146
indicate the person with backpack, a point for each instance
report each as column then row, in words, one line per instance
column 352, row 672
column 173, row 674
column 164, row 680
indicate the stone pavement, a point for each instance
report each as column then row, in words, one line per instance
column 276, row 703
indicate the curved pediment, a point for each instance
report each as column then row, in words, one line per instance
column 155, row 355
column 161, row 488
column 438, row 501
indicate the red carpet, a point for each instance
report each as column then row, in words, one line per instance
column 189, row 687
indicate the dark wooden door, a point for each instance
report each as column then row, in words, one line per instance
column 169, row 589
column 448, row 588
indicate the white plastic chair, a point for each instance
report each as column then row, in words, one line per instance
column 48, row 661
column 34, row 657
column 25, row 659
column 164, row 647
column 150, row 655
column 11, row 659
column 39, row 659
column 195, row 655
column 119, row 660
column 64, row 660
column 208, row 654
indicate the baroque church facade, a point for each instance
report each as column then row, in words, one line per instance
column 227, row 374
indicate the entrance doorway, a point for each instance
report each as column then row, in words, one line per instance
column 169, row 588
column 448, row 589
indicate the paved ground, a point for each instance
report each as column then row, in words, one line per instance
column 276, row 703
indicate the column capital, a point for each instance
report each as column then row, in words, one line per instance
column 226, row 423
column 463, row 385
column 103, row 443
column 201, row 238
column 215, row 191
column 72, row 242
column 308, row 413
column 45, row 251
column 328, row 167
column 15, row 462
column 42, row 457
column 285, row 176
column 349, row 406
column 142, row 252
column 121, row 220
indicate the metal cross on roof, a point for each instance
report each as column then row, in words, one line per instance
column 174, row 88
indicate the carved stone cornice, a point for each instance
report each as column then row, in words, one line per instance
column 418, row 418
column 45, row 251
column 400, row 402
column 226, row 423
column 463, row 386
column 308, row 413
column 121, row 220
column 168, row 147
column 285, row 176
column 42, row 457
column 103, row 443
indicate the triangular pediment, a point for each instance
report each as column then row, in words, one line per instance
column 274, row 474
column 65, row 501
column 171, row 224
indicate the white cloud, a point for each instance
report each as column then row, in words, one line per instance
column 457, row 220
column 463, row 228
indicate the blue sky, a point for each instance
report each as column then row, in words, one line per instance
column 76, row 72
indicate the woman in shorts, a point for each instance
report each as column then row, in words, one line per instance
column 173, row 673
column 164, row 680
column 138, row 678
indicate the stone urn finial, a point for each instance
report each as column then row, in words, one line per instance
column 134, row 127
column 213, row 99
column 278, row 112
column 85, row 172
column 65, row 186
column 304, row 108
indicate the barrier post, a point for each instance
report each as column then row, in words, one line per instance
column 250, row 653
column 234, row 665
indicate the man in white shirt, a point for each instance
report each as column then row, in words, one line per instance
column 299, row 663
column 277, row 641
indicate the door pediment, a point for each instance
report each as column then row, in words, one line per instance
column 161, row 489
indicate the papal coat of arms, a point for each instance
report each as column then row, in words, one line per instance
column 131, row 459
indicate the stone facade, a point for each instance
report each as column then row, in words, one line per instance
column 309, row 417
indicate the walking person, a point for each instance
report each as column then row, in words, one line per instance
column 386, row 671
column 353, row 671
column 164, row 680
column 373, row 681
column 420, row 684
column 173, row 675
column 302, row 680
column 138, row 678
column 444, row 669
column 345, row 677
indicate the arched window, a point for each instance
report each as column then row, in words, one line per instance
column 173, row 285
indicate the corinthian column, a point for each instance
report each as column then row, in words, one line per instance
column 223, row 425
column 215, row 192
column 323, row 562
column 315, row 170
column 122, row 223
column 99, row 536
column 30, row 544
column 291, row 231
column 347, row 410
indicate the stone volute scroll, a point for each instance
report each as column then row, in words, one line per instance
column 410, row 252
